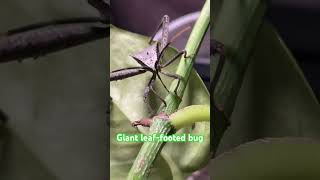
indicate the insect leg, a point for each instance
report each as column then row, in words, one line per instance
column 162, row 82
column 145, row 122
column 163, row 101
column 147, row 91
column 138, row 67
column 162, row 51
column 174, row 58
column 125, row 73
column 166, row 44
column 175, row 76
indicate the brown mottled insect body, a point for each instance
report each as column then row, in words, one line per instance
column 148, row 57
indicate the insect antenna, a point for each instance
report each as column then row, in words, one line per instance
column 173, row 39
column 180, row 33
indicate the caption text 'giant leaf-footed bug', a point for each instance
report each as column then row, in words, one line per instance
column 150, row 59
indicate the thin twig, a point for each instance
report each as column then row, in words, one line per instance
column 39, row 39
column 43, row 38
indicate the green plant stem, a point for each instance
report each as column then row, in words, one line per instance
column 190, row 115
column 150, row 150
column 236, row 26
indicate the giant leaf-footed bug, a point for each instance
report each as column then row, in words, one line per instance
column 150, row 59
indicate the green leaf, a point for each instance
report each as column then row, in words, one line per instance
column 127, row 95
column 56, row 104
column 276, row 159
column 275, row 99
column 235, row 24
column 18, row 162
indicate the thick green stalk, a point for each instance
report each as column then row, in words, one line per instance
column 150, row 150
column 189, row 115
column 236, row 24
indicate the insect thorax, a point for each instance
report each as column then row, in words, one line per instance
column 148, row 57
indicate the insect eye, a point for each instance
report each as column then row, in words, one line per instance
column 147, row 53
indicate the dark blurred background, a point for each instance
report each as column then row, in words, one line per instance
column 297, row 22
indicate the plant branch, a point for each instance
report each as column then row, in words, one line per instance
column 190, row 115
column 40, row 39
column 235, row 26
column 150, row 150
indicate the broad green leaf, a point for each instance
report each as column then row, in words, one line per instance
column 127, row 95
column 56, row 104
column 276, row 159
column 235, row 24
column 18, row 162
column 275, row 99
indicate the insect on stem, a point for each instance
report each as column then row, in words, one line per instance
column 150, row 60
